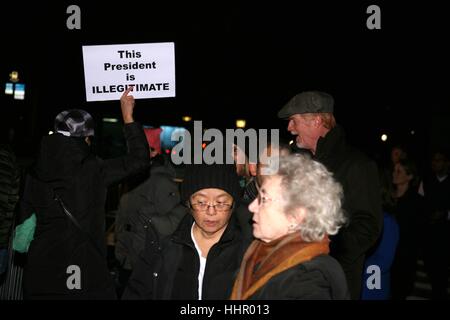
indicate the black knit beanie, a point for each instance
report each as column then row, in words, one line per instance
column 203, row 176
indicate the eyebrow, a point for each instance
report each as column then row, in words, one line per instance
column 262, row 190
column 199, row 194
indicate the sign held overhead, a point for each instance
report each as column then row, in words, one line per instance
column 110, row 69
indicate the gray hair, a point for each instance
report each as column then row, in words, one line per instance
column 308, row 184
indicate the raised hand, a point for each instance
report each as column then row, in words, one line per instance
column 127, row 103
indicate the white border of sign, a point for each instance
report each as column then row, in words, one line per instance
column 109, row 69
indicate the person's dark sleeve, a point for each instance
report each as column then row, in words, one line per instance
column 9, row 194
column 145, row 273
column 363, row 206
column 136, row 159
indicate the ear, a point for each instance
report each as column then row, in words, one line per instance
column 317, row 121
column 297, row 216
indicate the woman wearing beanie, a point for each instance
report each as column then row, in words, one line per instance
column 200, row 259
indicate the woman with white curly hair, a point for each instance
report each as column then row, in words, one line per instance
column 296, row 209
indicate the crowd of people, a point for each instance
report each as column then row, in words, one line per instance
column 328, row 222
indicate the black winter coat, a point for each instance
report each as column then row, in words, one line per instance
column 358, row 176
column 409, row 213
column 9, row 192
column 169, row 270
column 321, row 278
column 66, row 167
column 158, row 196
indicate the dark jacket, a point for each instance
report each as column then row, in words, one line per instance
column 65, row 167
column 321, row 278
column 437, row 199
column 9, row 192
column 156, row 196
column 408, row 211
column 169, row 269
column 358, row 176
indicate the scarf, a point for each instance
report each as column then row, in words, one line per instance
column 262, row 261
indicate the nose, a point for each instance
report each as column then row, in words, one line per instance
column 211, row 211
column 290, row 125
column 253, row 206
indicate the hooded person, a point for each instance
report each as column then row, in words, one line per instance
column 66, row 190
column 155, row 199
column 200, row 259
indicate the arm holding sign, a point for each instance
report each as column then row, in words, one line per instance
column 138, row 155
column 127, row 103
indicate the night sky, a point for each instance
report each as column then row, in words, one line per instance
column 244, row 61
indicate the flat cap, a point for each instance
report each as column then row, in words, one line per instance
column 308, row 102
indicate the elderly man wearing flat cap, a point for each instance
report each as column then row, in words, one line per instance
column 311, row 119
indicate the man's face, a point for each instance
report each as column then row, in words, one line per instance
column 302, row 125
column 439, row 164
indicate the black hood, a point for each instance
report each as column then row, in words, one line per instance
column 60, row 158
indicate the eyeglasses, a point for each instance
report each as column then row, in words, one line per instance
column 262, row 200
column 218, row 207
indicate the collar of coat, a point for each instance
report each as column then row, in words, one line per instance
column 331, row 144
column 262, row 261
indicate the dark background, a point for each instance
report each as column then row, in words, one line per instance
column 243, row 61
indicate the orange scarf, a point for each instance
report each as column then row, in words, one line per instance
column 263, row 260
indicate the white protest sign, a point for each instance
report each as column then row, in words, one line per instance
column 110, row 69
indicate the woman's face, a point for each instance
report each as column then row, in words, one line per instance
column 269, row 219
column 399, row 175
column 217, row 212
